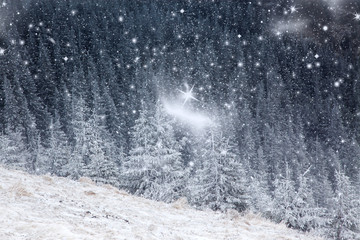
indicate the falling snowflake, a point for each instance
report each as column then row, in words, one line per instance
column 2, row 51
column 52, row 40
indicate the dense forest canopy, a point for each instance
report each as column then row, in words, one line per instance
column 233, row 104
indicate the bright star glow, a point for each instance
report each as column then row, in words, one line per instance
column 357, row 16
column 2, row 51
column 188, row 95
column 293, row 9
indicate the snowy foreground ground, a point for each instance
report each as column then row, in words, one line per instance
column 43, row 207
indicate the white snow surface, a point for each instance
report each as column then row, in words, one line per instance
column 45, row 207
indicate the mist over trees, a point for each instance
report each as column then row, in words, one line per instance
column 84, row 87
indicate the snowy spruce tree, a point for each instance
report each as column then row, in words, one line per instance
column 100, row 167
column 260, row 193
column 19, row 123
column 219, row 183
column 56, row 154
column 284, row 195
column 296, row 207
column 79, row 130
column 13, row 150
column 345, row 219
column 305, row 215
column 154, row 167
column 323, row 192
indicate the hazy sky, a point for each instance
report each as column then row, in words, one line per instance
column 324, row 21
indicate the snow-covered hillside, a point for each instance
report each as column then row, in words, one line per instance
column 44, row 207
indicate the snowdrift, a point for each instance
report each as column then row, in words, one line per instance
column 44, row 207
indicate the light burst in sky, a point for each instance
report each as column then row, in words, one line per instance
column 188, row 94
column 357, row 16
column 195, row 119
column 293, row 9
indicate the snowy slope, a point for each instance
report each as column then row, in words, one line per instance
column 43, row 207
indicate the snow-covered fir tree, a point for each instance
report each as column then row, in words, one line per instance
column 260, row 193
column 79, row 129
column 19, row 123
column 56, row 154
column 322, row 190
column 345, row 219
column 154, row 168
column 306, row 216
column 13, row 150
column 219, row 182
column 284, row 196
column 101, row 165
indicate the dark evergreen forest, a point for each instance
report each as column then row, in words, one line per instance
column 232, row 104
